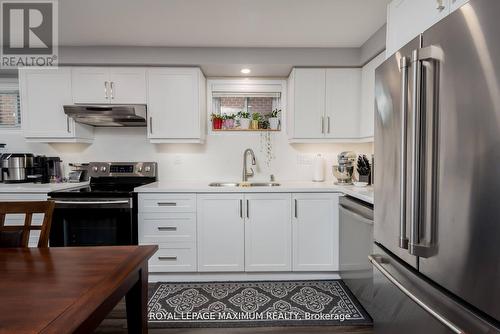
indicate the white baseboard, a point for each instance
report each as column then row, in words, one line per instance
column 221, row 277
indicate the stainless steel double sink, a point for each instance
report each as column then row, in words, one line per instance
column 244, row 184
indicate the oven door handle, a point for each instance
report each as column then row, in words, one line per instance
column 126, row 203
column 92, row 202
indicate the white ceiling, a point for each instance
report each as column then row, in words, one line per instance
column 220, row 23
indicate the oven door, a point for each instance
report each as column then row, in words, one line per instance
column 92, row 222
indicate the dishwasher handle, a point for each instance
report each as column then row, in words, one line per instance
column 356, row 215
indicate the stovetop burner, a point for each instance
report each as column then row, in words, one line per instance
column 112, row 179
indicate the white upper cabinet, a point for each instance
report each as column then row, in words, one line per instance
column 343, row 86
column 308, row 102
column 315, row 232
column 268, row 232
column 324, row 104
column 109, row 85
column 367, row 111
column 456, row 4
column 43, row 93
column 406, row 19
column 176, row 105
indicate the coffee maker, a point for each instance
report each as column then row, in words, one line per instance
column 16, row 167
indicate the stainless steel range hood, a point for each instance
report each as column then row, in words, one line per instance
column 110, row 115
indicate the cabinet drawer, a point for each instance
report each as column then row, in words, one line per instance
column 173, row 259
column 150, row 203
column 160, row 228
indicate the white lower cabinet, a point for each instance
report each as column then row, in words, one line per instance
column 241, row 232
column 315, row 232
column 169, row 221
column 268, row 232
column 221, row 232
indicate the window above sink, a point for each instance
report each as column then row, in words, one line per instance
column 245, row 105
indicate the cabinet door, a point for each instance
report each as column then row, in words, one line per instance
column 456, row 4
column 91, row 85
column 408, row 18
column 43, row 93
column 315, row 232
column 221, row 232
column 174, row 103
column 367, row 110
column 127, row 85
column 343, row 92
column 309, row 102
column 268, row 233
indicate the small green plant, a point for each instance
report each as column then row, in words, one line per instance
column 216, row 116
column 256, row 116
column 243, row 114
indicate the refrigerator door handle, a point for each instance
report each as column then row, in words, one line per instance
column 403, row 65
column 377, row 259
column 415, row 153
column 433, row 55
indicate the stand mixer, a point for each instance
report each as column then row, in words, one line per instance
column 344, row 170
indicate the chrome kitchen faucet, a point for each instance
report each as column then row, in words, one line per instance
column 247, row 174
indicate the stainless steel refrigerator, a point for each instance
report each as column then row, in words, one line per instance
column 437, row 186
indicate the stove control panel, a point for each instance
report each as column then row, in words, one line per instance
column 122, row 169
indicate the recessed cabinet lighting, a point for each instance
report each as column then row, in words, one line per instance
column 245, row 70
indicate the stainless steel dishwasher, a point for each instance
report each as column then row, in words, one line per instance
column 356, row 243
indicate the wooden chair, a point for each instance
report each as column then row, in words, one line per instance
column 18, row 235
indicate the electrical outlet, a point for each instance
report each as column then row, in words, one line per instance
column 304, row 159
column 178, row 160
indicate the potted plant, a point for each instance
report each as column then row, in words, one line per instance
column 274, row 119
column 244, row 118
column 216, row 121
column 256, row 117
column 228, row 121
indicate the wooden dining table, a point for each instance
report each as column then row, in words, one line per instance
column 72, row 289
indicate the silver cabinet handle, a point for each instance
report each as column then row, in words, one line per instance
column 295, row 208
column 439, row 317
column 67, row 124
column 403, row 239
column 241, row 208
column 166, row 204
column 248, row 210
column 167, row 258
column 167, row 228
column 323, row 124
column 440, row 5
column 112, row 84
column 328, row 123
column 106, row 90
column 151, row 125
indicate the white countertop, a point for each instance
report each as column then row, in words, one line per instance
column 362, row 193
column 37, row 187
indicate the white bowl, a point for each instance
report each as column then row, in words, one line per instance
column 360, row 184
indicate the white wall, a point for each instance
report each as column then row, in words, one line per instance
column 220, row 158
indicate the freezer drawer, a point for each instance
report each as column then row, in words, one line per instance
column 406, row 303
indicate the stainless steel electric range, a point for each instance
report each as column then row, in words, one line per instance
column 104, row 213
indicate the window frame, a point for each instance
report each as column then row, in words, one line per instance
column 7, row 85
